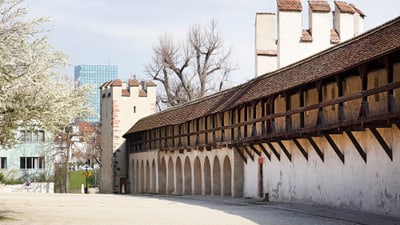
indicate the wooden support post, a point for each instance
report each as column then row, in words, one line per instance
column 254, row 128
column 213, row 124
column 244, row 120
column 239, row 132
column 180, row 136
column 197, row 132
column 364, row 109
column 339, row 84
column 232, row 119
column 263, row 124
column 271, row 111
column 391, row 103
column 320, row 115
column 188, row 133
column 288, row 119
column 302, row 104
column 223, row 137
column 206, row 130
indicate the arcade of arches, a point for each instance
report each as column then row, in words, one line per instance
column 218, row 172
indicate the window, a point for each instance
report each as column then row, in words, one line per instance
column 32, row 136
column 32, row 163
column 134, row 109
column 3, row 162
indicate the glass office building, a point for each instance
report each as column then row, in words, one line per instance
column 95, row 75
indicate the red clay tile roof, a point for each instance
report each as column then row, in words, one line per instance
column 344, row 7
column 117, row 82
column 332, row 61
column 335, row 39
column 319, row 6
column 133, row 83
column 86, row 127
column 125, row 93
column 106, row 84
column 357, row 10
column 306, row 36
column 289, row 5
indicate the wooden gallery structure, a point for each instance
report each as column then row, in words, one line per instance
column 324, row 130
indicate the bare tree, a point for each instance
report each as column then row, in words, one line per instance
column 192, row 69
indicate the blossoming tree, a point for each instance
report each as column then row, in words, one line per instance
column 33, row 91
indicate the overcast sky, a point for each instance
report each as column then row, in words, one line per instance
column 122, row 32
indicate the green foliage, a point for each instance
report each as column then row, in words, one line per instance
column 77, row 178
column 10, row 181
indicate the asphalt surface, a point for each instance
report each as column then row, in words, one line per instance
column 29, row 208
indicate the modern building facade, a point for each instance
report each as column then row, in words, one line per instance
column 95, row 75
column 281, row 39
column 122, row 104
column 31, row 160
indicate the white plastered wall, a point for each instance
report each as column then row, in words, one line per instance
column 355, row 184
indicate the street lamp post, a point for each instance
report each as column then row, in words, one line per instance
column 86, row 175
column 60, row 162
column 60, row 166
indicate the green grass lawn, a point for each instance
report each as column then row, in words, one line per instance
column 77, row 178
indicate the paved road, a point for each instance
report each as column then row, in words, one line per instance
column 28, row 208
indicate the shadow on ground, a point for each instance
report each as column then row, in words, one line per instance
column 259, row 211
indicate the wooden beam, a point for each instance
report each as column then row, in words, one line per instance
column 300, row 147
column 249, row 152
column 382, row 142
column 263, row 149
column 335, row 147
column 223, row 137
column 284, row 149
column 274, row 150
column 241, row 154
column 263, row 123
column 364, row 109
column 288, row 118
column 320, row 115
column 302, row 103
column 255, row 150
column 357, row 145
column 316, row 148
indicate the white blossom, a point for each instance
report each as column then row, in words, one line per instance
column 32, row 90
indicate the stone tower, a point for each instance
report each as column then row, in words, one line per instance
column 121, row 105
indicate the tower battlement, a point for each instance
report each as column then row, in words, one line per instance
column 281, row 39
column 131, row 88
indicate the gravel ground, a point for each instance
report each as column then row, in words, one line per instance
column 29, row 208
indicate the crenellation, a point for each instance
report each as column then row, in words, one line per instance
column 281, row 39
